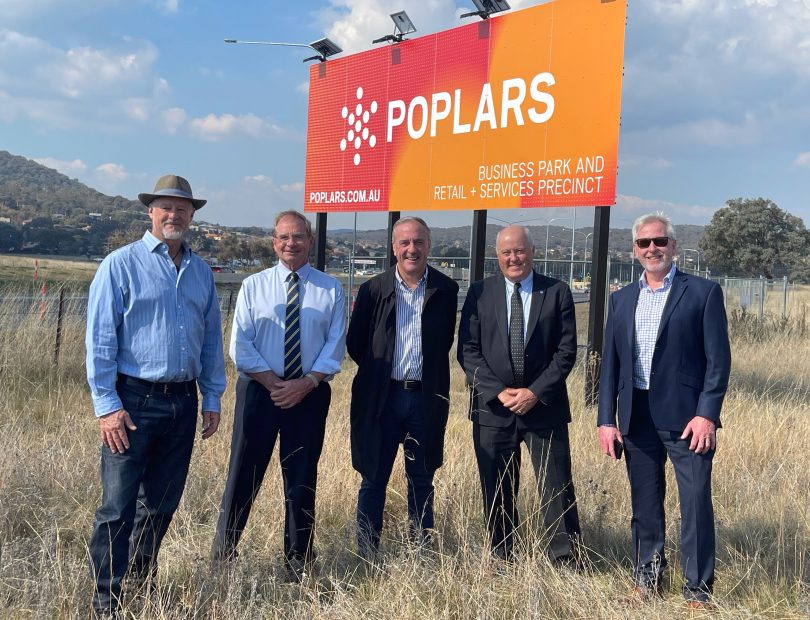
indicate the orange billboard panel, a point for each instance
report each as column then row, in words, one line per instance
column 520, row 110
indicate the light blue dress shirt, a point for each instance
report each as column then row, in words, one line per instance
column 257, row 337
column 525, row 296
column 407, row 362
column 649, row 310
column 148, row 320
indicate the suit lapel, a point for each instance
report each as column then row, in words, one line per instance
column 628, row 313
column 538, row 297
column 498, row 292
column 430, row 287
column 678, row 288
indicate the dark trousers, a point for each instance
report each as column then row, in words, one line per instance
column 401, row 422
column 257, row 423
column 646, row 450
column 141, row 488
column 497, row 450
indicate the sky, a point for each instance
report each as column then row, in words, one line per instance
column 115, row 93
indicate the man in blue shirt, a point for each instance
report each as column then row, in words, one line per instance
column 153, row 336
column 288, row 339
column 664, row 375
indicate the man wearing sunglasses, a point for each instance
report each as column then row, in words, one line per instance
column 664, row 374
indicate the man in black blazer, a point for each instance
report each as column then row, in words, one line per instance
column 517, row 344
column 665, row 372
column 400, row 335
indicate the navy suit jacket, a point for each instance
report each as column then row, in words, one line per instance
column 691, row 362
column 551, row 350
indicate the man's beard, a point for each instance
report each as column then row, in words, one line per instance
column 173, row 234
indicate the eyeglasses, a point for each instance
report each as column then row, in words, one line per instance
column 295, row 238
column 660, row 242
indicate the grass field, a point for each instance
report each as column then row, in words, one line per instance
column 49, row 489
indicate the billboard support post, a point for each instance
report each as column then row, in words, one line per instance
column 478, row 245
column 393, row 218
column 320, row 241
column 596, row 315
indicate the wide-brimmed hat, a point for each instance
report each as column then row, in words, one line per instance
column 172, row 185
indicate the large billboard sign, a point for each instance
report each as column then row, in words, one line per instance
column 521, row 110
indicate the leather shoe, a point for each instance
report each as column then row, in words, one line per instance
column 700, row 606
column 641, row 595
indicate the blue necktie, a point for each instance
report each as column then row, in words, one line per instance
column 292, row 330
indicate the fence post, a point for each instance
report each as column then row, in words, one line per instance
column 60, row 313
column 784, row 296
column 761, row 297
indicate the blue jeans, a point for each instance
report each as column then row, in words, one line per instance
column 141, row 488
column 401, row 422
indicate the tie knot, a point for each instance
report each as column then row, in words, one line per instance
column 517, row 286
column 293, row 277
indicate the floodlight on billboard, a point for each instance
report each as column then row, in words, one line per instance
column 520, row 110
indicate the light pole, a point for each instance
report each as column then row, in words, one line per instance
column 696, row 252
column 586, row 255
column 545, row 252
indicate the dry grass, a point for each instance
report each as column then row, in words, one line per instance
column 49, row 490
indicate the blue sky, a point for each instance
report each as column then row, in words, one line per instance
column 716, row 99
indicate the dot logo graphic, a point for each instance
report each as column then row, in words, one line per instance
column 357, row 121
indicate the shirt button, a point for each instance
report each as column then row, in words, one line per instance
column 181, row 327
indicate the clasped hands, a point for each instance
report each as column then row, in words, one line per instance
column 518, row 400
column 286, row 394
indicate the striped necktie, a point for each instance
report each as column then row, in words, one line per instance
column 516, row 347
column 292, row 329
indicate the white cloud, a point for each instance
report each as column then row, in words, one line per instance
column 112, row 172
column 55, row 87
column 137, row 108
column 303, row 87
column 68, row 168
column 297, row 186
column 261, row 179
column 214, row 128
column 173, row 119
column 802, row 159
column 628, row 208
column 170, row 6
column 84, row 70
column 252, row 201
column 353, row 24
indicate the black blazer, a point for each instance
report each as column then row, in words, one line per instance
column 691, row 362
column 551, row 350
column 370, row 343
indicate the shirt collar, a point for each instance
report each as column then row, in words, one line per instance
column 642, row 281
column 303, row 271
column 153, row 243
column 525, row 283
column 422, row 280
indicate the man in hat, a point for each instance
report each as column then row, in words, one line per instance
column 153, row 337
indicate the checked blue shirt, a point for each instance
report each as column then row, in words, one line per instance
column 649, row 309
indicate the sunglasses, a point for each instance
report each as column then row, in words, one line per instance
column 660, row 242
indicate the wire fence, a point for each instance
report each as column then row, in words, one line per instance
column 59, row 305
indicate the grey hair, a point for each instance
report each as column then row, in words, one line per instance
column 659, row 216
column 409, row 220
column 296, row 215
column 525, row 230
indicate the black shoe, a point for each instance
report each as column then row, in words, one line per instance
column 297, row 570
column 569, row 562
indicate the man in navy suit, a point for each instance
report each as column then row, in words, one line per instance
column 517, row 343
column 665, row 372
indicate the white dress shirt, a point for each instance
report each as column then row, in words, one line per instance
column 257, row 337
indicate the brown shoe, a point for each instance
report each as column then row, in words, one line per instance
column 641, row 595
column 700, row 606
